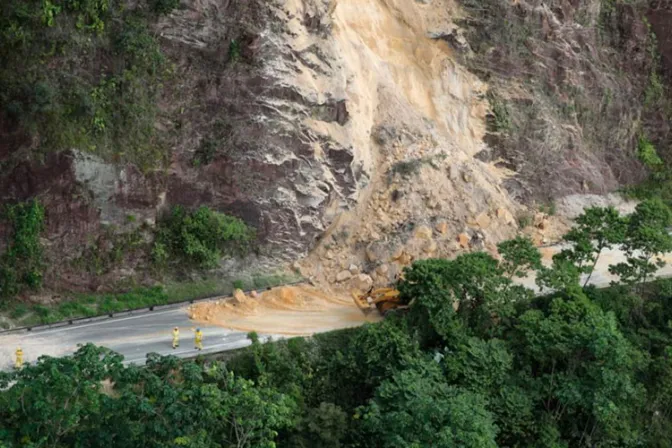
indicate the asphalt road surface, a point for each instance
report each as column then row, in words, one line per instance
column 137, row 335
column 133, row 336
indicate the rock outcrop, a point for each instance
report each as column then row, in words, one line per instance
column 352, row 127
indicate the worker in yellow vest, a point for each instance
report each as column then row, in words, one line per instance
column 198, row 339
column 19, row 358
column 176, row 337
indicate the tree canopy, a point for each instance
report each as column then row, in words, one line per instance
column 476, row 361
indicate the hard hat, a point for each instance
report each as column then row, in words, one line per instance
column 198, row 329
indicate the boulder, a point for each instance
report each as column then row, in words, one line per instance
column 483, row 220
column 430, row 247
column 371, row 254
column 354, row 270
column 383, row 269
column 405, row 259
column 463, row 239
column 505, row 215
column 239, row 297
column 442, row 227
column 343, row 276
column 423, row 232
column 363, row 282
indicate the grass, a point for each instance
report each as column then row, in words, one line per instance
column 524, row 220
column 500, row 121
column 406, row 168
column 90, row 305
column 550, row 208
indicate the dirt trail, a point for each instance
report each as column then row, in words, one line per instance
column 289, row 310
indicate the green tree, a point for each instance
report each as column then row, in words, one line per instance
column 647, row 237
column 471, row 288
column 325, row 426
column 583, row 370
column 595, row 230
column 562, row 275
column 54, row 401
column 519, row 256
column 416, row 408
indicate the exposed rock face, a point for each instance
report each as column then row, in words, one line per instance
column 567, row 84
column 271, row 167
column 353, row 123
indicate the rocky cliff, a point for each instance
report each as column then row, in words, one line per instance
column 370, row 132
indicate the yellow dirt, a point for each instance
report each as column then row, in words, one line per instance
column 289, row 310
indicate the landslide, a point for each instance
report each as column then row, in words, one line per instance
column 354, row 135
column 299, row 310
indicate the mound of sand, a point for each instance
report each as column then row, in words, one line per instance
column 287, row 310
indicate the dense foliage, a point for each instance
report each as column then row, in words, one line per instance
column 21, row 262
column 84, row 74
column 476, row 362
column 199, row 238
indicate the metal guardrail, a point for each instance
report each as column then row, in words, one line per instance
column 131, row 312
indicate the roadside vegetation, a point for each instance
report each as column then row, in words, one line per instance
column 182, row 242
column 476, row 361
column 199, row 238
column 21, row 262
column 19, row 313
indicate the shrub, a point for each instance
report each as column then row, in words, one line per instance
column 500, row 119
column 648, row 155
column 200, row 238
column 205, row 153
column 164, row 6
column 524, row 220
column 234, row 51
column 22, row 261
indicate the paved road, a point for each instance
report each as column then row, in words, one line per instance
column 136, row 335
column 132, row 336
column 601, row 276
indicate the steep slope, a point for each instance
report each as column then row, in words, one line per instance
column 362, row 133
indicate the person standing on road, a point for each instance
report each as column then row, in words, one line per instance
column 176, row 337
column 19, row 358
column 198, row 339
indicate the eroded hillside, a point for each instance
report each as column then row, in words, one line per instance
column 359, row 134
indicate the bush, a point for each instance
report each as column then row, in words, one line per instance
column 22, row 261
column 648, row 155
column 234, row 51
column 164, row 6
column 200, row 238
column 205, row 153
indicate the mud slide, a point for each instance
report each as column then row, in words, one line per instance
column 289, row 310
